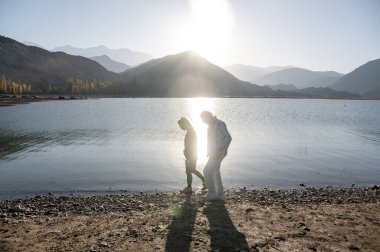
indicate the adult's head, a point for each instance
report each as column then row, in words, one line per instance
column 207, row 117
column 184, row 123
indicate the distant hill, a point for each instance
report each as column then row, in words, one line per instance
column 250, row 73
column 110, row 64
column 364, row 80
column 284, row 87
column 123, row 55
column 325, row 92
column 301, row 78
column 42, row 68
column 184, row 75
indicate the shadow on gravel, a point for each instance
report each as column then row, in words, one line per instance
column 224, row 235
column 181, row 229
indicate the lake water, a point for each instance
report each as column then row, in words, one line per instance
column 106, row 145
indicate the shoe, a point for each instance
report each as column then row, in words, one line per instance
column 187, row 190
column 211, row 197
column 221, row 197
column 204, row 187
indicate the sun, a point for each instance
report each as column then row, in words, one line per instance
column 208, row 31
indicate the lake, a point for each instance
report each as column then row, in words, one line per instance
column 107, row 145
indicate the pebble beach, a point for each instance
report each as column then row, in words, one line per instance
column 329, row 219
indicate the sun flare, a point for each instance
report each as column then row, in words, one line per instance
column 208, row 30
column 195, row 106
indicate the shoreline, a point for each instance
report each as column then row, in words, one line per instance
column 15, row 101
column 324, row 219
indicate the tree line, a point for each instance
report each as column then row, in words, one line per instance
column 72, row 86
column 79, row 86
column 14, row 87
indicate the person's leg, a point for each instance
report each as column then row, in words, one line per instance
column 189, row 166
column 208, row 175
column 197, row 173
column 218, row 180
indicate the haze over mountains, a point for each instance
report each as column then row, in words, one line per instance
column 42, row 68
column 364, row 80
column 299, row 77
column 110, row 64
column 123, row 55
column 250, row 73
column 181, row 75
column 185, row 74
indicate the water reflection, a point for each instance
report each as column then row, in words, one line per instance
column 13, row 145
column 367, row 135
column 136, row 144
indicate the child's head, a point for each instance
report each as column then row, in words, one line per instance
column 184, row 124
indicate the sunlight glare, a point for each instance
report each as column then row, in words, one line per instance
column 195, row 107
column 208, row 31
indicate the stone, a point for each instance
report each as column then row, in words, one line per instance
column 104, row 244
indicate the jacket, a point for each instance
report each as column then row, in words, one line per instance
column 190, row 150
column 218, row 137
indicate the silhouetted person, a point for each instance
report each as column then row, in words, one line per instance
column 218, row 141
column 223, row 234
column 190, row 152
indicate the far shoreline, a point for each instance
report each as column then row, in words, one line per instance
column 43, row 98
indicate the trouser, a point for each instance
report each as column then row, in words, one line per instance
column 191, row 168
column 212, row 177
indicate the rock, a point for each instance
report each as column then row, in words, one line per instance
column 353, row 247
column 312, row 248
column 133, row 233
column 280, row 238
column 104, row 244
column 375, row 187
column 248, row 210
column 16, row 209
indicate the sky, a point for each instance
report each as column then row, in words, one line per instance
column 320, row 35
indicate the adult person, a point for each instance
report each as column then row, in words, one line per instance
column 190, row 152
column 218, row 141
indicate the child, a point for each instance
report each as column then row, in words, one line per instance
column 190, row 152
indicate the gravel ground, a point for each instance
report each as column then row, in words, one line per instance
column 334, row 219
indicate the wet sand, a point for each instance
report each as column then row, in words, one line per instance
column 335, row 219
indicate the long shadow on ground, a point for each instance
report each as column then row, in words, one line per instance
column 224, row 235
column 181, row 229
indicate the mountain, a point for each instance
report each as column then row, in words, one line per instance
column 123, row 55
column 42, row 68
column 184, row 75
column 250, row 73
column 110, row 64
column 284, row 87
column 364, row 80
column 32, row 44
column 325, row 92
column 301, row 78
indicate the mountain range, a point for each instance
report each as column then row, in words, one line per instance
column 42, row 68
column 110, row 64
column 299, row 77
column 250, row 73
column 185, row 74
column 123, row 55
column 364, row 80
